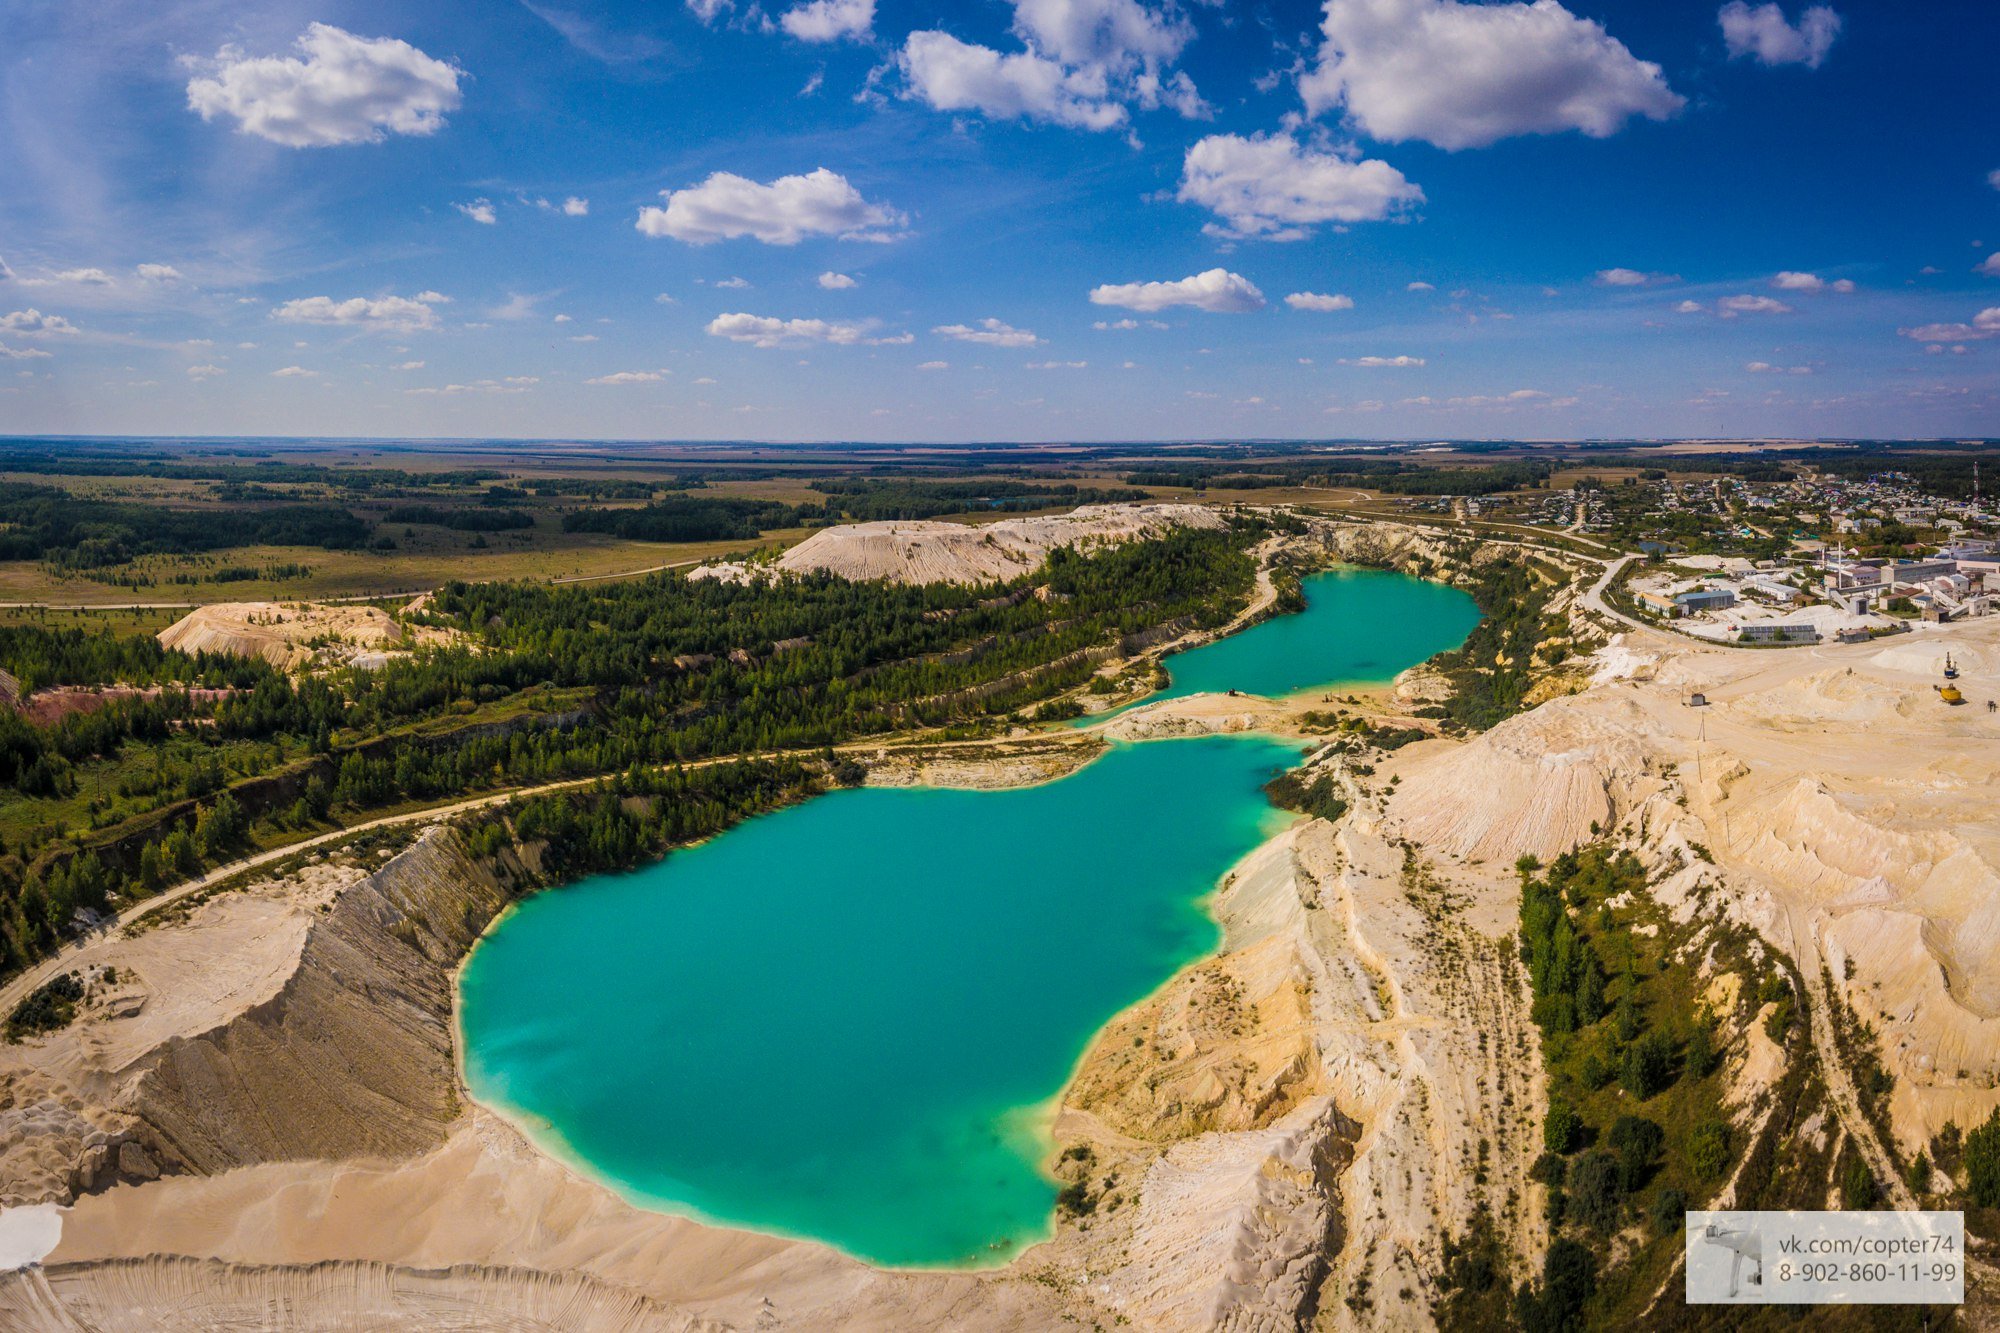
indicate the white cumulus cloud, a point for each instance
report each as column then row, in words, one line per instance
column 783, row 212
column 764, row 331
column 952, row 75
column 1789, row 281
column 294, row 373
column 1217, row 290
column 1272, row 187
column 1985, row 324
column 1763, row 32
column 1101, row 32
column 1990, row 265
column 34, row 324
column 629, row 377
column 82, row 277
column 829, row 20
column 576, row 206
column 837, row 282
column 398, row 313
column 1630, row 277
column 1731, row 306
column 205, row 372
column 991, row 332
column 159, row 272
column 1315, row 301
column 338, row 89
column 479, row 210
column 1082, row 62
column 1465, row 75
column 1379, row 361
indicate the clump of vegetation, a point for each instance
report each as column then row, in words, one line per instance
column 1635, row 1118
column 1491, row 672
column 48, row 1008
column 1318, row 796
column 636, row 816
column 1981, row 1159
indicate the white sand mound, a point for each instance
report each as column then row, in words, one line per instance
column 1925, row 657
column 727, row 571
column 293, row 635
column 938, row 552
column 1541, row 782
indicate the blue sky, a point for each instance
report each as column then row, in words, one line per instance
column 1036, row 219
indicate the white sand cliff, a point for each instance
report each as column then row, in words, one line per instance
column 923, row 551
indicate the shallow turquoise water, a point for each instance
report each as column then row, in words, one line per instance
column 843, row 1020
column 1359, row 626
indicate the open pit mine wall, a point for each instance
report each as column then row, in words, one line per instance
column 1406, row 547
column 353, row 1057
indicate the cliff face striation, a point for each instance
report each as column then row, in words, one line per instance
column 353, row 1056
column 309, row 1017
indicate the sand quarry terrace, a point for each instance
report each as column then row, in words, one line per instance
column 1850, row 809
column 919, row 551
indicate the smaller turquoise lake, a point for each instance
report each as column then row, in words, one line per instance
column 1359, row 626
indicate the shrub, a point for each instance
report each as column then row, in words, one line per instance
column 1701, row 1057
column 1669, row 1208
column 1858, row 1190
column 1708, row 1149
column 1982, row 1163
column 1638, row 1143
column 1597, row 1190
column 1569, row 1280
column 1562, row 1128
column 1648, row 1067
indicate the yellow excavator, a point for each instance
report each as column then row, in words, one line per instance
column 1949, row 692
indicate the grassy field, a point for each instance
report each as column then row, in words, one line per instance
column 429, row 557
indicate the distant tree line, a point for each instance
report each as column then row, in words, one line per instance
column 461, row 518
column 46, row 523
column 690, row 518
column 866, row 499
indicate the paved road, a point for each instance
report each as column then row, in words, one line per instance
column 17, row 989
column 1594, row 599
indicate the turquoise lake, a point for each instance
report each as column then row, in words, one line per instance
column 847, row 1020
column 1360, row 626
column 843, row 1020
